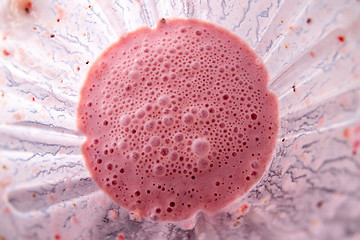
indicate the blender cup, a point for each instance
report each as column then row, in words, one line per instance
column 311, row 189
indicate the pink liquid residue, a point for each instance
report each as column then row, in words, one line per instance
column 177, row 119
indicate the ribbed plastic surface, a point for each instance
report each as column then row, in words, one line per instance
column 311, row 49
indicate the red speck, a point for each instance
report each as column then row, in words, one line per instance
column 312, row 54
column 52, row 35
column 58, row 20
column 6, row 53
column 341, row 38
column 308, row 21
column 355, row 146
column 120, row 236
column 243, row 208
column 28, row 7
column 89, row 6
column 33, row 99
column 74, row 220
column 6, row 210
column 57, row 237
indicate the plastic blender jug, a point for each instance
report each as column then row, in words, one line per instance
column 312, row 187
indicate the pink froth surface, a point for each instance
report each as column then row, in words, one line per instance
column 178, row 119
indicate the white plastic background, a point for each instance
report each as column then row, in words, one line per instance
column 311, row 49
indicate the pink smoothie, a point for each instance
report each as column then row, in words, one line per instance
column 177, row 119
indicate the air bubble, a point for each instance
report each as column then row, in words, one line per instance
column 147, row 149
column 203, row 114
column 123, row 145
column 173, row 76
column 188, row 119
column 125, row 120
column 195, row 65
column 254, row 165
column 134, row 75
column 168, row 121
column 167, row 65
column 150, row 125
column 128, row 87
column 139, row 62
column 178, row 137
column 160, row 59
column 159, row 170
column 172, row 50
column 148, row 107
column 164, row 151
column 109, row 166
column 140, row 113
column 200, row 147
column 135, row 156
column 203, row 163
column 155, row 141
column 163, row 100
column 165, row 78
column 173, row 156
column 194, row 110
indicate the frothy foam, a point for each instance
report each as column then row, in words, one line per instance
column 177, row 119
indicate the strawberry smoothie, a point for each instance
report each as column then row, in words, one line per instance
column 177, row 119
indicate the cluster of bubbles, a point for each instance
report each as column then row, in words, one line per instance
column 193, row 108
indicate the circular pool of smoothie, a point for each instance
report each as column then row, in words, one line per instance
column 177, row 119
